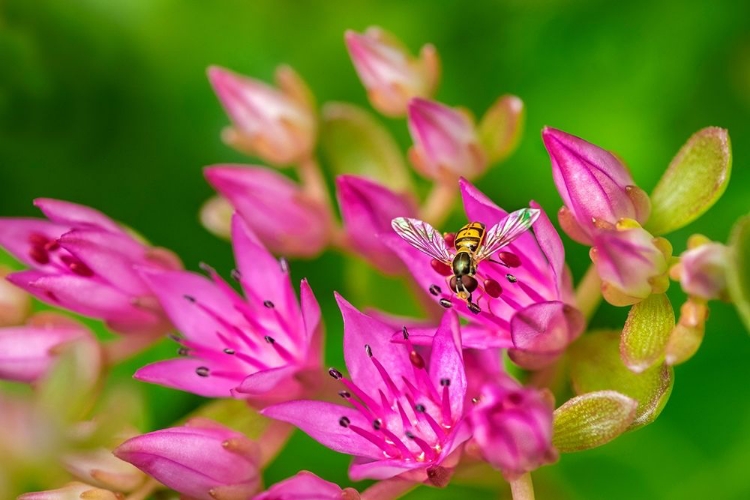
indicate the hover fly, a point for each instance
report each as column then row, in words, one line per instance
column 473, row 244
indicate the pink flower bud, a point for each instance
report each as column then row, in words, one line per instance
column 593, row 184
column 702, row 270
column 512, row 427
column 15, row 304
column 367, row 209
column 307, row 486
column 73, row 491
column 446, row 145
column 389, row 73
column 101, row 468
column 286, row 219
column 203, row 460
column 277, row 125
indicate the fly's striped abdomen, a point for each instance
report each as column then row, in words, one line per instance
column 469, row 237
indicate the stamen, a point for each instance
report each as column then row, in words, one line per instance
column 426, row 448
column 344, row 422
column 368, row 350
column 235, row 275
column 333, row 372
column 511, row 278
column 509, row 259
column 268, row 304
column 202, row 371
column 377, row 424
column 405, row 333
column 386, row 378
column 421, row 413
column 378, row 441
column 416, row 360
column 269, row 339
column 39, row 255
column 52, row 245
column 533, row 294
column 189, row 298
column 445, row 407
column 405, row 451
column 345, row 394
column 446, row 303
column 284, row 265
column 434, row 290
column 183, row 351
column 229, row 351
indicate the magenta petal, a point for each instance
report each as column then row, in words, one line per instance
column 265, row 382
column 446, row 361
column 74, row 215
column 321, row 422
column 546, row 327
column 17, row 234
column 380, row 469
column 181, row 373
column 302, row 486
column 313, row 325
column 550, row 242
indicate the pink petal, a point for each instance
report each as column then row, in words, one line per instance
column 16, row 235
column 74, row 215
column 549, row 242
column 313, row 324
column 321, row 422
column 271, row 382
column 381, row 469
column 446, row 361
column 303, row 486
column 181, row 374
column 546, row 327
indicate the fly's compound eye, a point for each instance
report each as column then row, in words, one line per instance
column 468, row 284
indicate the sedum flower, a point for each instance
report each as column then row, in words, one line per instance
column 389, row 73
column 101, row 468
column 202, row 459
column 276, row 124
column 73, row 491
column 367, row 209
column 28, row 351
column 83, row 261
column 702, row 270
column 407, row 409
column 525, row 295
column 512, row 427
column 278, row 211
column 446, row 144
column 259, row 347
column 307, row 486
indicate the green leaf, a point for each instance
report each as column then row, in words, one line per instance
column 646, row 332
column 596, row 366
column 692, row 183
column 738, row 269
column 354, row 142
column 591, row 420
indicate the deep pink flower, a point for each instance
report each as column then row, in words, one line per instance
column 389, row 73
column 446, row 145
column 256, row 347
column 83, row 261
column 277, row 125
column 702, row 270
column 277, row 210
column 512, row 427
column 407, row 412
column 367, row 209
column 527, row 304
column 203, row 459
column 28, row 351
column 307, row 486
column 595, row 186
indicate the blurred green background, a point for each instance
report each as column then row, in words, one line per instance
column 106, row 103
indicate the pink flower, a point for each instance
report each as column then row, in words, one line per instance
column 526, row 299
column 28, row 351
column 512, row 427
column 407, row 409
column 259, row 347
column 702, row 270
column 72, row 491
column 367, row 209
column 101, row 468
column 203, row 460
column 277, row 210
column 277, row 125
column 85, row 262
column 595, row 186
column 306, row 486
column 446, row 144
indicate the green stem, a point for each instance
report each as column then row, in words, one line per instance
column 439, row 203
column 522, row 488
column 589, row 292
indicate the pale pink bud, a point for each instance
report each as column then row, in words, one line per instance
column 512, row 427
column 593, row 184
column 101, row 468
column 389, row 73
column 15, row 304
column 703, row 271
column 446, row 145
column 277, row 125
column 307, row 486
column 203, row 460
column 73, row 491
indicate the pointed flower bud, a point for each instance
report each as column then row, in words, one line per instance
column 203, row 460
column 28, row 351
column 101, row 468
column 15, row 304
column 702, row 270
column 85, row 262
column 631, row 263
column 254, row 347
column 276, row 125
column 407, row 410
column 594, row 185
column 446, row 144
column 367, row 209
column 73, row 491
column 277, row 210
column 307, row 486
column 389, row 73
column 501, row 127
column 512, row 426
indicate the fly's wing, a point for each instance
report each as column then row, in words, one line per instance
column 423, row 237
column 510, row 228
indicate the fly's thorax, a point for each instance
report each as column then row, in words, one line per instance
column 470, row 237
column 464, row 263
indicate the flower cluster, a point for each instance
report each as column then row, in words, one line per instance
column 472, row 380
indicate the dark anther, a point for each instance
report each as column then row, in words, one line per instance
column 377, row 424
column 509, row 259
column 416, row 359
column 202, row 371
column 435, row 290
column 492, row 288
column 175, row 337
column 269, row 339
column 235, row 275
column 446, row 303
column 268, row 304
column 410, row 435
column 189, row 298
column 333, row 372
column 368, row 350
column 228, row 351
column 284, row 265
column 474, row 400
column 405, row 333
column 205, row 268
column 183, row 351
column 445, row 382
column 344, row 421
column 511, row 278
column 419, row 408
column 474, row 308
column 345, row 394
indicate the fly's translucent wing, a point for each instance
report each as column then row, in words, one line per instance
column 510, row 228
column 423, row 237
